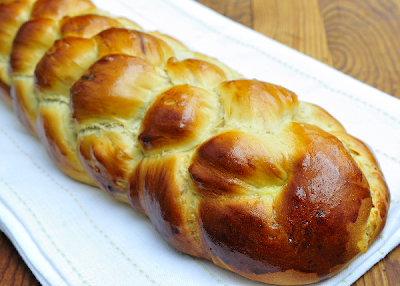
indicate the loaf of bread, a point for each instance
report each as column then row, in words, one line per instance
column 229, row 169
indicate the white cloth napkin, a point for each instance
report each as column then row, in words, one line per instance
column 72, row 234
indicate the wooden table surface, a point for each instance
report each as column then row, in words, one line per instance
column 358, row 37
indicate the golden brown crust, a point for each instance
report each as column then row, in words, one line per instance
column 321, row 210
column 135, row 43
column 235, row 163
column 5, row 93
column 255, row 104
column 270, row 185
column 86, row 26
column 25, row 54
column 114, row 106
column 36, row 98
column 233, row 170
column 31, row 42
column 158, row 190
column 195, row 72
column 378, row 187
column 57, row 9
column 50, row 114
column 33, row 39
column 177, row 120
column 315, row 115
column 12, row 14
column 95, row 95
column 61, row 65
column 106, row 155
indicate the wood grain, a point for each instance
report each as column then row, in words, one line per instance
column 357, row 37
column 293, row 23
column 240, row 11
column 13, row 270
column 363, row 37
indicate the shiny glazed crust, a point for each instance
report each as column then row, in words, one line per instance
column 233, row 170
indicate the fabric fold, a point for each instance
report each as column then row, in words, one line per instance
column 69, row 233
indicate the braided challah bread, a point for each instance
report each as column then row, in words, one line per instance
column 233, row 170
